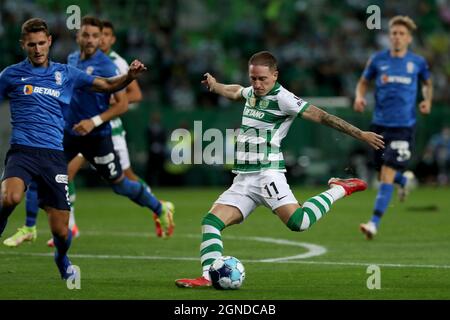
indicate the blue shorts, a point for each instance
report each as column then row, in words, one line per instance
column 98, row 150
column 399, row 143
column 47, row 167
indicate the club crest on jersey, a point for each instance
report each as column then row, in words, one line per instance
column 410, row 67
column 263, row 104
column 90, row 70
column 58, row 78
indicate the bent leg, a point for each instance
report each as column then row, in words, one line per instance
column 301, row 218
column 12, row 190
column 137, row 193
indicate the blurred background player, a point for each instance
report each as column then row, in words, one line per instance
column 38, row 90
column 93, row 61
column 88, row 132
column 396, row 72
column 259, row 164
column 134, row 95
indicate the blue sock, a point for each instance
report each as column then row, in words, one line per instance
column 400, row 179
column 62, row 246
column 138, row 193
column 32, row 205
column 382, row 201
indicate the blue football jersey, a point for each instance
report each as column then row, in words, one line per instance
column 396, row 83
column 37, row 96
column 87, row 104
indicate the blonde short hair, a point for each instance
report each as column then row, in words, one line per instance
column 404, row 21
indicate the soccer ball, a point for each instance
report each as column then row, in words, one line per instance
column 227, row 273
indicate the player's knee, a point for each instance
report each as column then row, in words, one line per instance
column 213, row 220
column 59, row 229
column 11, row 199
column 295, row 221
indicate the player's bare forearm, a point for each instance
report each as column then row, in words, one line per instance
column 230, row 91
column 117, row 83
column 427, row 90
column 134, row 93
column 113, row 84
column 341, row 125
column 119, row 107
column 361, row 88
column 320, row 116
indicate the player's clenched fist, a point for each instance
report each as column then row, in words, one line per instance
column 209, row 82
column 359, row 104
column 136, row 68
column 84, row 127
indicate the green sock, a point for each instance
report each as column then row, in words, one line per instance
column 211, row 247
column 313, row 210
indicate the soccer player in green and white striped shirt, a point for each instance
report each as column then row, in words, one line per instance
column 268, row 113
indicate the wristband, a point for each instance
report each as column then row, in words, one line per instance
column 97, row 120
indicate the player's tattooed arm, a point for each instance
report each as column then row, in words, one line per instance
column 320, row 116
column 230, row 91
column 117, row 83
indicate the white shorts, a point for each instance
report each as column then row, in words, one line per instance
column 250, row 190
column 121, row 148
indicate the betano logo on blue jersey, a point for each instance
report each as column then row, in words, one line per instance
column 395, row 79
column 29, row 89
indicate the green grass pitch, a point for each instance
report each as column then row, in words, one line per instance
column 120, row 257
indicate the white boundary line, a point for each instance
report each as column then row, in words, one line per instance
column 313, row 250
column 122, row 257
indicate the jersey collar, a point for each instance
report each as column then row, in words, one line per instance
column 274, row 90
column 94, row 56
column 30, row 66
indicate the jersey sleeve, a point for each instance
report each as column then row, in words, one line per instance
column 110, row 69
column 424, row 72
column 4, row 84
column 246, row 92
column 290, row 104
column 370, row 70
column 80, row 79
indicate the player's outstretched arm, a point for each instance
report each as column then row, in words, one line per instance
column 114, row 84
column 320, row 116
column 230, row 91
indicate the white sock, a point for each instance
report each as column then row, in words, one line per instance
column 72, row 218
column 336, row 192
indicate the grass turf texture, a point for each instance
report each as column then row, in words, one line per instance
column 120, row 257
